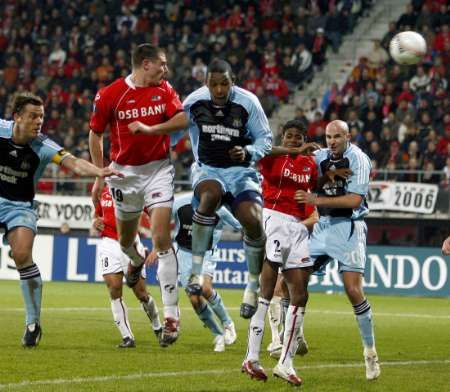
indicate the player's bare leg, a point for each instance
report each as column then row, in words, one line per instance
column 127, row 228
column 167, row 272
column 249, row 214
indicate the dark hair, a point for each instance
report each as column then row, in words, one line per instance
column 297, row 124
column 22, row 99
column 220, row 66
column 144, row 51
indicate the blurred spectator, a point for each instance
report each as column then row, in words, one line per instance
column 378, row 56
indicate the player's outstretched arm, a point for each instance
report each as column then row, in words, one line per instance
column 176, row 123
column 350, row 200
column 84, row 168
column 305, row 149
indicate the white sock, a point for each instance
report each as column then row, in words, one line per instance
column 168, row 281
column 292, row 326
column 275, row 318
column 256, row 330
column 151, row 309
column 120, row 315
column 136, row 253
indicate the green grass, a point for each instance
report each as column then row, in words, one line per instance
column 78, row 346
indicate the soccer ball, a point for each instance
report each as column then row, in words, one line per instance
column 408, row 48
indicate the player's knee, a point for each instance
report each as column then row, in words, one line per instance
column 22, row 257
column 299, row 298
column 196, row 302
column 207, row 290
column 354, row 293
column 115, row 290
column 209, row 202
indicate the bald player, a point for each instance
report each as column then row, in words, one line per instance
column 341, row 231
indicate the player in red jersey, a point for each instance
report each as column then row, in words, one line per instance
column 141, row 101
column 114, row 263
column 285, row 223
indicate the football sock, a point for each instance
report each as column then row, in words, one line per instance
column 135, row 252
column 284, row 302
column 256, row 330
column 363, row 314
column 168, row 280
column 254, row 252
column 275, row 318
column 31, row 286
column 120, row 315
column 206, row 315
column 151, row 310
column 292, row 326
column 216, row 304
column 202, row 232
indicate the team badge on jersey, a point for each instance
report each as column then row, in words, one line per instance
column 237, row 123
column 156, row 98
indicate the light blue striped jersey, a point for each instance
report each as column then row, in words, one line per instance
column 21, row 166
column 359, row 163
column 214, row 129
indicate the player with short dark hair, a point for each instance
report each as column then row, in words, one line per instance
column 287, row 224
column 131, row 106
column 24, row 154
column 229, row 133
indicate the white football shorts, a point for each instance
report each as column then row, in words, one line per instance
column 146, row 186
column 287, row 240
column 112, row 259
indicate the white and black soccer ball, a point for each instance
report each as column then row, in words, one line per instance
column 407, row 48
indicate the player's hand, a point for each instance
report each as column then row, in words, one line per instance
column 237, row 153
column 97, row 189
column 139, row 127
column 98, row 224
column 305, row 149
column 341, row 172
column 109, row 172
column 152, row 258
column 446, row 247
column 305, row 197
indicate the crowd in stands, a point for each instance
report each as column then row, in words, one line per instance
column 399, row 115
column 66, row 50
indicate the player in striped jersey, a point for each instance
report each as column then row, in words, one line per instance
column 24, row 154
column 341, row 231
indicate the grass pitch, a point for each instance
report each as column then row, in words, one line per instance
column 78, row 353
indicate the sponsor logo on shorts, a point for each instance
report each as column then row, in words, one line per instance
column 305, row 260
column 156, row 194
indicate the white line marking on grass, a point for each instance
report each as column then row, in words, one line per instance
column 332, row 312
column 136, row 376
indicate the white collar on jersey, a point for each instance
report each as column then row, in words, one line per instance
column 129, row 82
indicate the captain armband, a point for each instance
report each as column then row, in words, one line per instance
column 60, row 156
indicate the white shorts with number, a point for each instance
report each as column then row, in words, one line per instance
column 149, row 186
column 112, row 259
column 287, row 240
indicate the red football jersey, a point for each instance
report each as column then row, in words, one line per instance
column 105, row 209
column 283, row 176
column 121, row 103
